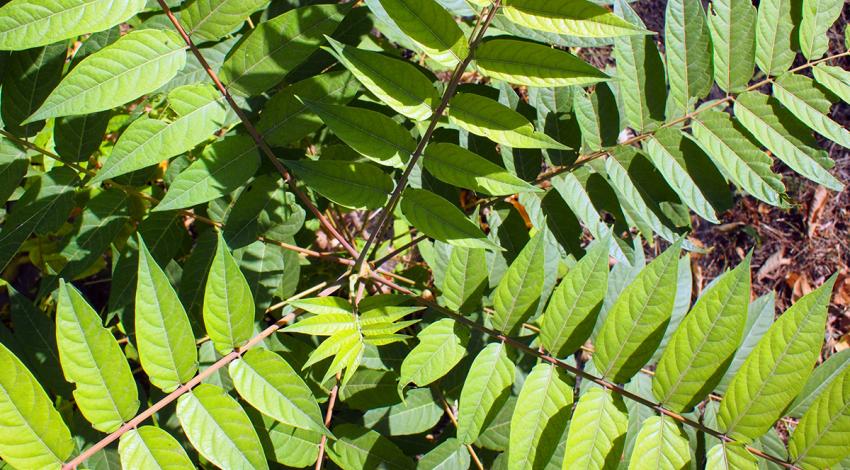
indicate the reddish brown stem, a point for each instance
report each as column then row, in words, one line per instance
column 328, row 416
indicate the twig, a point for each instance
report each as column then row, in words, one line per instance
column 400, row 250
column 328, row 417
column 453, row 419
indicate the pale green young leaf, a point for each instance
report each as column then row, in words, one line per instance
column 440, row 219
column 164, row 337
column 487, row 385
column 818, row 16
column 733, row 36
column 25, row 24
column 579, row 18
column 811, row 105
column 277, row 46
column 634, row 326
column 132, row 66
column 326, row 324
column 271, row 385
column 739, row 158
column 835, row 79
column 285, row 119
column 597, row 431
column 705, row 342
column 822, row 437
column 541, row 414
column 92, row 360
column 151, row 447
column 349, row 184
column 210, row 20
column 147, row 141
column 820, row 379
column 781, row 133
column 450, row 455
column 34, row 435
column 495, row 121
column 324, row 305
column 660, row 444
column 574, row 306
column 442, row 345
column 775, row 43
column 398, row 83
column 776, row 369
column 465, row 278
column 357, row 448
column 534, row 65
column 458, row 166
column 223, row 167
column 640, row 73
column 516, row 297
column 370, row 133
column 228, row 302
column 431, row 27
column 724, row 456
column 219, row 429
column 675, row 158
column 689, row 56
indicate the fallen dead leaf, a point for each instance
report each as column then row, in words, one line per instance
column 772, row 264
column 818, row 204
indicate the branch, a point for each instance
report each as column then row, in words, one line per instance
column 258, row 139
column 328, row 416
column 584, row 374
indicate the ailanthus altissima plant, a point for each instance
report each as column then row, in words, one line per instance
column 254, row 234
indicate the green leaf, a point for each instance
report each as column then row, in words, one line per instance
column 91, row 358
column 25, row 24
column 777, row 368
column 574, row 306
column 579, row 18
column 465, row 278
column 418, row 413
column 357, row 448
column 13, row 168
column 324, row 305
column 688, row 47
column 640, row 73
column 733, row 35
column 277, row 46
column 164, row 337
column 534, row 65
column 223, row 167
column 737, row 156
column 634, row 326
column 835, row 79
column 36, row 73
column 431, row 27
column 705, row 342
column 200, row 112
column 442, row 345
column 516, row 297
column 810, row 104
column 349, row 184
column 818, row 16
column 370, row 133
column 48, row 200
column 228, row 302
column 398, row 83
column 458, row 166
column 822, row 437
column 487, row 385
column 781, row 133
column 271, row 385
column 440, row 219
column 541, row 414
column 759, row 319
column 597, row 431
column 290, row 446
column 210, row 20
column 820, row 379
column 285, row 119
column 219, row 429
column 729, row 457
column 151, row 447
column 598, row 117
column 495, row 121
column 34, row 434
column 660, row 444
column 78, row 137
column 132, row 66
column 678, row 159
column 450, row 455
column 775, row 43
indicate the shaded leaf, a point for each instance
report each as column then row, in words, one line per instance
column 516, row 297
column 458, row 166
column 349, row 184
column 487, row 385
column 810, row 105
